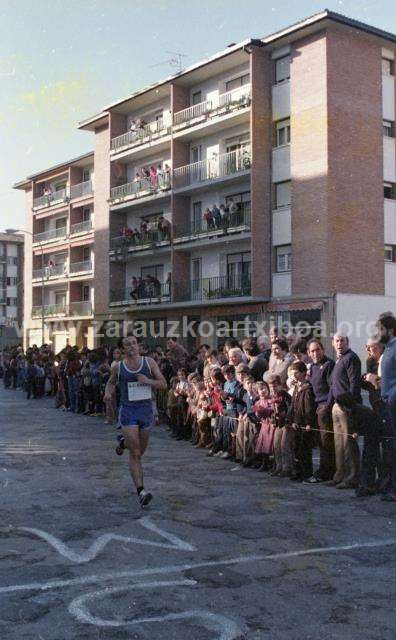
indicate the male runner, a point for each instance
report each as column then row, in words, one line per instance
column 137, row 375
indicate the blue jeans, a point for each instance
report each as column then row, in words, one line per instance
column 74, row 387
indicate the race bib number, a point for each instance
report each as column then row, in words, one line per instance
column 138, row 391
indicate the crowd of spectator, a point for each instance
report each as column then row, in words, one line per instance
column 263, row 404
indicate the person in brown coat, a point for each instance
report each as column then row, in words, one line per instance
column 302, row 417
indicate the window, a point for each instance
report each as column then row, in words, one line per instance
column 156, row 271
column 282, row 133
column 12, row 261
column 60, row 186
column 238, row 269
column 390, row 253
column 387, row 67
column 12, row 302
column 11, row 282
column 389, row 191
column 282, row 69
column 60, row 298
column 196, row 153
column 196, row 97
column 235, row 83
column 86, row 293
column 86, row 174
column 282, row 194
column 387, row 128
column 196, row 216
column 60, row 223
column 86, row 214
column 283, row 258
column 86, row 254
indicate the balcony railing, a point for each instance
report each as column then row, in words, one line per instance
column 229, row 221
column 219, row 166
column 52, row 234
column 55, row 197
column 144, row 293
column 220, row 287
column 81, row 189
column 79, row 267
column 141, row 135
column 53, row 271
column 139, row 239
column 141, row 188
column 80, row 308
column 232, row 100
column 81, row 227
column 49, row 310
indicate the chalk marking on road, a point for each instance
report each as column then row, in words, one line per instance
column 227, row 628
column 102, row 541
column 93, row 579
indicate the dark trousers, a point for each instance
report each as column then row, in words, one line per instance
column 327, row 466
column 30, row 386
column 389, row 442
column 303, row 444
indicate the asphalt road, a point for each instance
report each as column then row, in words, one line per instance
column 223, row 553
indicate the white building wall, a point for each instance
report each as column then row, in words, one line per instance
column 212, row 87
column 281, row 227
column 281, row 100
column 216, row 143
column 281, row 164
column 390, row 278
column 213, row 261
column 148, row 112
column 281, row 285
column 389, row 159
column 356, row 314
column 12, row 271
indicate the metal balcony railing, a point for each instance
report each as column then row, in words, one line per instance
column 52, row 234
column 56, row 197
column 235, row 99
column 80, row 227
column 219, row 166
column 139, row 239
column 80, row 308
column 81, row 189
column 141, row 188
column 143, row 293
column 220, row 287
column 141, row 135
column 229, row 221
column 49, row 310
column 53, row 271
column 78, row 267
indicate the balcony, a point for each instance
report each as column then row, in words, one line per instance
column 52, row 234
column 139, row 136
column 82, row 189
column 217, row 168
column 57, row 197
column 231, row 223
column 49, row 310
column 225, row 103
column 140, row 188
column 219, row 287
column 80, row 308
column 141, row 295
column 81, row 227
column 80, row 267
column 54, row 271
column 140, row 241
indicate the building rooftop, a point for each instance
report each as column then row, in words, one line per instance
column 288, row 34
column 10, row 236
column 21, row 184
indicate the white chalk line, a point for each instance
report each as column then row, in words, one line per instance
column 93, row 579
column 102, row 541
column 227, row 628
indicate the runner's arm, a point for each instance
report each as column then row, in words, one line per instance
column 157, row 381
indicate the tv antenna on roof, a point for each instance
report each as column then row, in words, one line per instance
column 174, row 61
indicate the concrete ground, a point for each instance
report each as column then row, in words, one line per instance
column 223, row 553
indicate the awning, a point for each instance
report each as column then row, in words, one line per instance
column 295, row 306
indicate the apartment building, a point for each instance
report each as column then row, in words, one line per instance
column 11, row 287
column 60, row 254
column 294, row 134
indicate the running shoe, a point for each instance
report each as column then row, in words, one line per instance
column 144, row 498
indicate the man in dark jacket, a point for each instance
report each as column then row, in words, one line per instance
column 319, row 376
column 345, row 378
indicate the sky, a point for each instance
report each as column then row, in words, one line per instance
column 61, row 61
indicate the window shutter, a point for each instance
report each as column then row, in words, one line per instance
column 223, row 264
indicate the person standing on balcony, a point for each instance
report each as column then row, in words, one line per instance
column 167, row 176
column 153, row 177
column 216, row 216
column 233, row 208
column 208, row 217
column 224, row 213
column 137, row 376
